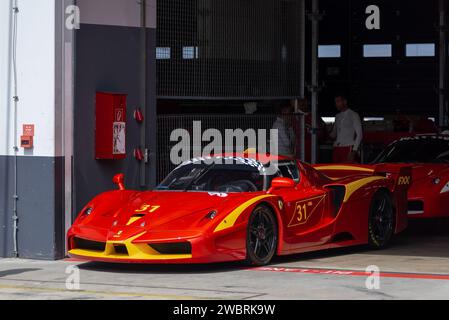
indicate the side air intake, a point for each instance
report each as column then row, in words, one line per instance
column 338, row 195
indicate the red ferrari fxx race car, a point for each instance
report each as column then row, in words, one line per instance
column 233, row 208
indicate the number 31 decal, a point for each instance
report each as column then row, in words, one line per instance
column 304, row 209
column 147, row 208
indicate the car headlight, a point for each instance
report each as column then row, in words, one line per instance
column 212, row 214
column 445, row 188
column 436, row 181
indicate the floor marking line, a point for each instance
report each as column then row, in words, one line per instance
column 108, row 293
column 134, row 286
column 355, row 273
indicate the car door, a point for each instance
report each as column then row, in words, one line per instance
column 304, row 209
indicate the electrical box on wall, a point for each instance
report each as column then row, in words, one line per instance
column 110, row 126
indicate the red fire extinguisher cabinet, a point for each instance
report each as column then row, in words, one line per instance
column 110, row 126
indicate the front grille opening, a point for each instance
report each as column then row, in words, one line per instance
column 172, row 248
column 89, row 244
column 120, row 249
column 415, row 206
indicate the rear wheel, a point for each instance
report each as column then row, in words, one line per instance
column 381, row 220
column 262, row 236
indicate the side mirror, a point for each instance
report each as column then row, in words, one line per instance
column 281, row 183
column 119, row 180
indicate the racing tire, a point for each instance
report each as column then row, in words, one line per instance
column 381, row 220
column 262, row 236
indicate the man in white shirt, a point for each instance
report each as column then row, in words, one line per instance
column 347, row 133
column 286, row 135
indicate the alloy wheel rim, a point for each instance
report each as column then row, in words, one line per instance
column 381, row 220
column 262, row 235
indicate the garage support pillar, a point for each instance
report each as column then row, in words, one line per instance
column 443, row 106
column 315, row 17
column 302, row 15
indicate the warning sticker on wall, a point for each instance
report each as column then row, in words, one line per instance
column 119, row 138
column 119, row 115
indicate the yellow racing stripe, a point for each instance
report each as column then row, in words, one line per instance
column 231, row 218
column 344, row 167
column 356, row 185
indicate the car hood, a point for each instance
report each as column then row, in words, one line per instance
column 159, row 211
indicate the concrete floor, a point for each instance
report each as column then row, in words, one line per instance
column 416, row 266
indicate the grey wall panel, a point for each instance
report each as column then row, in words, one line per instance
column 108, row 59
column 151, row 93
column 40, row 207
column 6, row 187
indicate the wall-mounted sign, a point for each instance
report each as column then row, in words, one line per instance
column 119, row 138
column 28, row 130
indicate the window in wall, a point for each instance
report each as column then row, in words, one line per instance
column 163, row 53
column 328, row 120
column 420, row 50
column 284, row 53
column 190, row 53
column 377, row 50
column 373, row 119
column 329, row 51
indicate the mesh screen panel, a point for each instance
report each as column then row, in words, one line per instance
column 229, row 48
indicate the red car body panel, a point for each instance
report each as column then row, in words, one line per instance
column 175, row 226
column 424, row 195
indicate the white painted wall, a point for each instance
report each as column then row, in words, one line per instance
column 36, row 62
column 124, row 13
column 4, row 73
column 36, row 75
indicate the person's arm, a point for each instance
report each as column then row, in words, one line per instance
column 357, row 123
column 333, row 133
column 322, row 134
column 292, row 137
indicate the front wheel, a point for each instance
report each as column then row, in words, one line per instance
column 381, row 220
column 262, row 236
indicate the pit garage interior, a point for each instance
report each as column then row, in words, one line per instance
column 228, row 64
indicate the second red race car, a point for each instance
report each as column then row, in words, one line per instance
column 428, row 196
column 235, row 207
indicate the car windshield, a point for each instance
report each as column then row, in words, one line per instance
column 416, row 150
column 237, row 176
